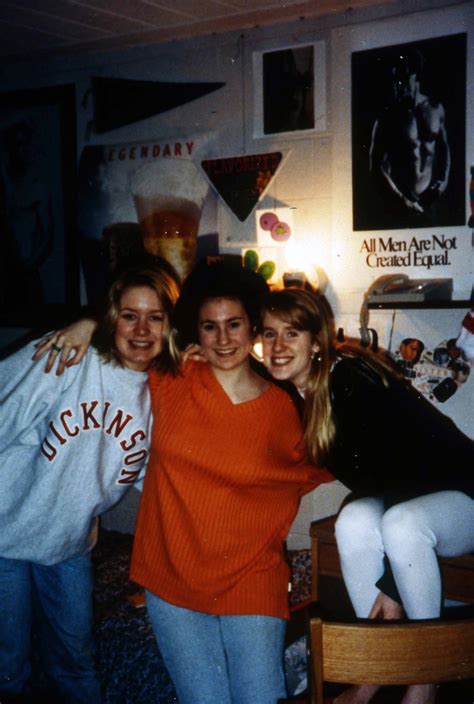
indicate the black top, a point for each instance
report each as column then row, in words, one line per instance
column 392, row 442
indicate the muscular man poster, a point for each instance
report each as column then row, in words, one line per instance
column 408, row 135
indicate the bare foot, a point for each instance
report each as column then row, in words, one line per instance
column 359, row 694
column 420, row 694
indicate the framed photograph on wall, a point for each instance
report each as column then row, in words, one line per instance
column 290, row 90
column 409, row 135
column 39, row 276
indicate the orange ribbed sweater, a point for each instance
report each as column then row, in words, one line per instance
column 222, row 488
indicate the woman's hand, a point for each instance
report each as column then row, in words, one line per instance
column 193, row 352
column 71, row 343
column 386, row 608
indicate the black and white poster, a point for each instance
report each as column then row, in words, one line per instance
column 39, row 273
column 409, row 135
column 290, row 90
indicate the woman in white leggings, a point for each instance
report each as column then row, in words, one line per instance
column 409, row 467
column 411, row 534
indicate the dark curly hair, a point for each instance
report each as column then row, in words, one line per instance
column 221, row 279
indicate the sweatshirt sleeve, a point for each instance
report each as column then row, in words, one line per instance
column 26, row 393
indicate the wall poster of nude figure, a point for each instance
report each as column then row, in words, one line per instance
column 409, row 135
column 39, row 271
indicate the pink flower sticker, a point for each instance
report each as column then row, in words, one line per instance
column 268, row 220
column 280, row 232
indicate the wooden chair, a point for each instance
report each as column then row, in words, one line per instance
column 371, row 652
column 389, row 653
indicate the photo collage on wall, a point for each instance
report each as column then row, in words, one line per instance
column 436, row 373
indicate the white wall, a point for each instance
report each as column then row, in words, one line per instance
column 315, row 179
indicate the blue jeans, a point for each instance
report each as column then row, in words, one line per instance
column 220, row 659
column 58, row 600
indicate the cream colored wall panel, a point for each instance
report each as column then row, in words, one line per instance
column 296, row 177
column 320, row 503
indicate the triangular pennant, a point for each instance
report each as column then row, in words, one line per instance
column 119, row 101
column 242, row 180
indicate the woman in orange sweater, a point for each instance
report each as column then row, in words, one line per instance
column 224, row 481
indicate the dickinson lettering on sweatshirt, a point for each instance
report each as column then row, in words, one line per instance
column 70, row 447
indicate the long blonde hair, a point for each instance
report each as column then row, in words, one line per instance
column 311, row 312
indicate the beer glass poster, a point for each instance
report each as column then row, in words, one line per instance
column 139, row 197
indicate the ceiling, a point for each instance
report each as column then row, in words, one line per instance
column 30, row 28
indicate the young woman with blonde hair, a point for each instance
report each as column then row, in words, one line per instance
column 409, row 467
column 70, row 448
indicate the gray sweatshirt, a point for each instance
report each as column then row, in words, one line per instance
column 70, row 447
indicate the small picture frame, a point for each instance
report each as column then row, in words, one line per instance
column 290, row 90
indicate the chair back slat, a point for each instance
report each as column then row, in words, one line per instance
column 392, row 654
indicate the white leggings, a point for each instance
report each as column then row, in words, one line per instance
column 411, row 534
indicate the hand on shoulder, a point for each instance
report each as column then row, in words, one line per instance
column 66, row 346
